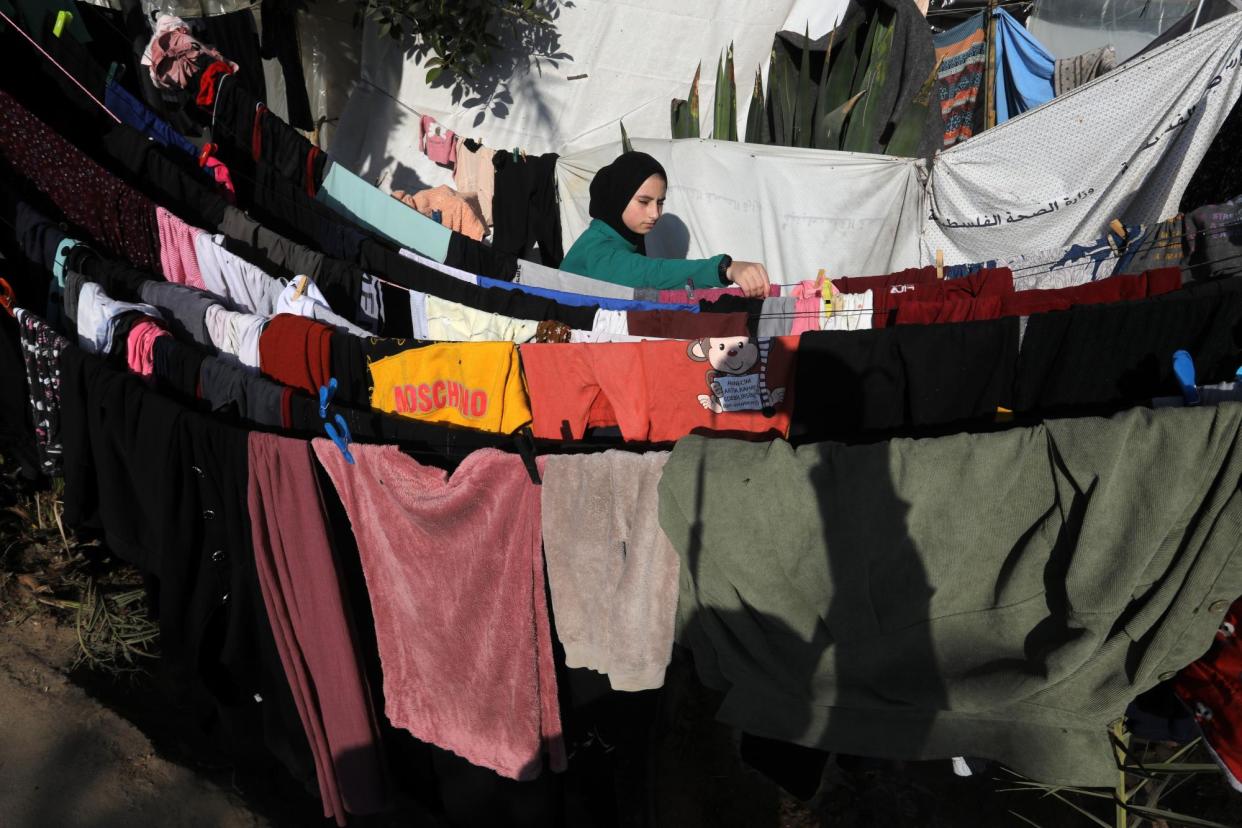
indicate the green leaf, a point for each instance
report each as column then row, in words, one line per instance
column 757, row 115
column 724, row 122
column 694, row 103
column 912, row 123
column 626, row 146
column 823, row 103
column 832, row 123
column 433, row 73
column 804, row 103
column 781, row 98
column 864, row 126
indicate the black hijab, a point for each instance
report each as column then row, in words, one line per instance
column 614, row 186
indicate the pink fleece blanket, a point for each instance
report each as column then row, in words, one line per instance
column 455, row 574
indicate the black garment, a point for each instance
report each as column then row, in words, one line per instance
column 286, row 150
column 165, row 177
column 17, row 439
column 1107, row 355
column 613, row 187
column 524, row 208
column 37, row 234
column 1214, row 240
column 795, row 768
column 282, row 205
column 168, row 488
column 465, row 253
column 235, row 37
column 396, row 319
column 753, row 308
column 849, row 382
column 177, row 367
column 279, row 22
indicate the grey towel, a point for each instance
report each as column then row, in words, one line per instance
column 1071, row 73
column 612, row 571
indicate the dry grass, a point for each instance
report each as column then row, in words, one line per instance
column 43, row 566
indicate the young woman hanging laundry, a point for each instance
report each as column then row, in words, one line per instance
column 627, row 199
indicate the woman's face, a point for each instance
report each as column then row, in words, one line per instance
column 645, row 207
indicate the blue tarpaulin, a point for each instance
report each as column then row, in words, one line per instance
column 1024, row 69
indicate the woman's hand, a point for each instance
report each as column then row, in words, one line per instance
column 751, row 277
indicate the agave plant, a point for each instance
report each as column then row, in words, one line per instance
column 842, row 111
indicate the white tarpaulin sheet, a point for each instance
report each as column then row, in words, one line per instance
column 610, row 60
column 795, row 210
column 1123, row 146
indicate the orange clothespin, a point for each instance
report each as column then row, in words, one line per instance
column 939, row 264
column 1120, row 229
column 1003, row 415
column 6, row 297
column 301, row 288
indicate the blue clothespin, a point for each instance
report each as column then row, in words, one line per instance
column 325, row 394
column 1184, row 368
column 340, row 436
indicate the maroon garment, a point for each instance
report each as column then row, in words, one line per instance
column 951, row 309
column 115, row 215
column 297, row 352
column 310, row 621
column 685, row 325
column 964, row 308
column 974, row 297
column 884, row 288
column 1119, row 288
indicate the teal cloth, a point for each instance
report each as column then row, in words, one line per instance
column 62, row 257
column 1001, row 596
column 601, row 253
column 368, row 206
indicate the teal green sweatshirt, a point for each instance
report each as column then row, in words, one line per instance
column 602, row 254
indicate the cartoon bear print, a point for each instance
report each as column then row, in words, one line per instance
column 733, row 380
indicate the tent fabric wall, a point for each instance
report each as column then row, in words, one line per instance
column 608, row 61
column 796, row 210
column 1138, row 133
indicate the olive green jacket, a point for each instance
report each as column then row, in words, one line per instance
column 1002, row 596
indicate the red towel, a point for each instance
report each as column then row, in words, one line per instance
column 454, row 569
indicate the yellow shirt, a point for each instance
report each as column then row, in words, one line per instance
column 474, row 384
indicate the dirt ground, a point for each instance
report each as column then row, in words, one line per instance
column 68, row 760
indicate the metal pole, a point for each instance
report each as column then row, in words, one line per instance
column 1198, row 11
